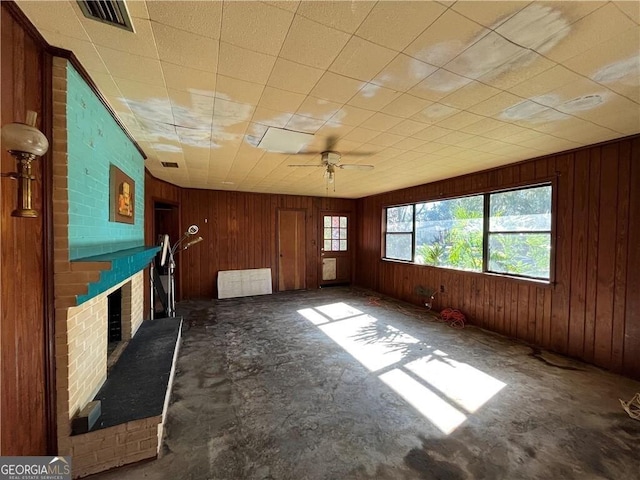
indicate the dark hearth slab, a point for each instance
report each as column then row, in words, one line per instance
column 138, row 382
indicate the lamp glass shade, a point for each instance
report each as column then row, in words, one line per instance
column 21, row 137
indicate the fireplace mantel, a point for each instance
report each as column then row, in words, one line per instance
column 91, row 276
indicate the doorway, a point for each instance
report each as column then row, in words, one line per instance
column 291, row 250
column 335, row 251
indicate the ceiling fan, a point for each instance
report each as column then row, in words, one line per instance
column 330, row 160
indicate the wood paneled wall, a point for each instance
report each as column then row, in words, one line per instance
column 155, row 190
column 592, row 311
column 239, row 231
column 26, row 425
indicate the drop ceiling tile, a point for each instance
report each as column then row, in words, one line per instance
column 85, row 51
column 137, row 91
column 521, row 68
column 344, row 16
column 139, row 43
column 318, row 108
column 431, row 148
column 312, row 44
column 133, row 67
column 469, row 95
column 361, row 135
column 255, row 26
column 630, row 8
column 238, row 90
column 373, row 97
column 271, row 118
column 300, row 123
column 432, row 133
column 186, row 48
column 489, row 13
column 61, row 20
column 538, row 21
column 336, row 88
column 403, row 72
column 445, row 39
column 545, row 82
column 361, row 59
column 409, row 144
column 407, row 127
column 614, row 64
column 482, row 126
column 459, row 120
column 496, row 104
column 244, row 64
column 201, row 18
column 179, row 77
column 281, row 100
column 594, row 29
column 293, row 77
column 381, row 122
column 438, row 85
column 616, row 113
column 226, row 109
column 330, row 129
column 406, row 106
column 455, row 138
column 289, row 5
column 106, row 84
column 396, row 27
column 491, row 53
column 435, row 113
column 350, row 115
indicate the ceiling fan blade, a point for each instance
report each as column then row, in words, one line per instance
column 331, row 143
column 353, row 166
column 358, row 154
column 305, row 165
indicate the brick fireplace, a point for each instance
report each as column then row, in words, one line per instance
column 93, row 258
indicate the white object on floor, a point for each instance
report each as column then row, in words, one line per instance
column 632, row 407
column 244, row 283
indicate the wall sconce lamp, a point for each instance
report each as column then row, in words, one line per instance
column 25, row 142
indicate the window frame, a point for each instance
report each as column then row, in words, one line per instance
column 486, row 194
column 332, row 228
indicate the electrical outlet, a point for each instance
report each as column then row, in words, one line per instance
column 441, row 288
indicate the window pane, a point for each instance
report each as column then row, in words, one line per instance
column 449, row 233
column 327, row 245
column 343, row 233
column 400, row 219
column 343, row 245
column 335, row 222
column 398, row 246
column 327, row 221
column 520, row 254
column 327, row 233
column 343, row 222
column 521, row 210
column 335, row 245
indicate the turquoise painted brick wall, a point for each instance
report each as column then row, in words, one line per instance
column 94, row 142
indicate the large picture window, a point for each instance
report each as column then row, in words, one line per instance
column 507, row 232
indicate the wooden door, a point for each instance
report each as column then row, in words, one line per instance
column 335, row 248
column 291, row 250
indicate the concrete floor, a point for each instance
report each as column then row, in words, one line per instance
column 351, row 389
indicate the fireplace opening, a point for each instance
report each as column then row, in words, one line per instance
column 114, row 320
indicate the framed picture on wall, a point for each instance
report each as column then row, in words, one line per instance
column 122, row 196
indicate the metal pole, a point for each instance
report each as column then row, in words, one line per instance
column 152, row 296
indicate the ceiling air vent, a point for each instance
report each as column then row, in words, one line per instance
column 112, row 12
column 169, row 164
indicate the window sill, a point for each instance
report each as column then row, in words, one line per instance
column 511, row 278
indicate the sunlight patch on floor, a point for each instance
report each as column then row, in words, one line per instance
column 436, row 385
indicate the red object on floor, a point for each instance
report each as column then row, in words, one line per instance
column 452, row 317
